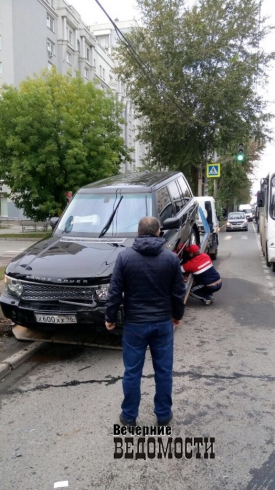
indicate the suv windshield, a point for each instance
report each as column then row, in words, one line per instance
column 236, row 216
column 89, row 213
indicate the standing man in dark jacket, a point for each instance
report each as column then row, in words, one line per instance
column 151, row 279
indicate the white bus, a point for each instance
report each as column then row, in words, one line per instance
column 266, row 223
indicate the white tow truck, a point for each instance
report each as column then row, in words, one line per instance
column 208, row 206
column 246, row 208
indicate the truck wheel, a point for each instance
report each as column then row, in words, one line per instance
column 266, row 259
column 213, row 256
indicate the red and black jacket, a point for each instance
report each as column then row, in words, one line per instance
column 202, row 268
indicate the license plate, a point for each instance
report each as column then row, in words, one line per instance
column 56, row 318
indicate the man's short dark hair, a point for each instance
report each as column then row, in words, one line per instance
column 149, row 225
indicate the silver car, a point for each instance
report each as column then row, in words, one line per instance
column 236, row 221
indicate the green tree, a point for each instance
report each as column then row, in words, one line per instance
column 196, row 80
column 57, row 133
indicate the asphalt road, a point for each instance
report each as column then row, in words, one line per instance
column 58, row 409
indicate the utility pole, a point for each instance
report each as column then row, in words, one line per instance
column 200, row 180
column 205, row 184
column 215, row 159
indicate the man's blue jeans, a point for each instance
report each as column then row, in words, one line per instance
column 160, row 338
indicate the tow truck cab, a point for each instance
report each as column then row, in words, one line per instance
column 208, row 206
column 246, row 208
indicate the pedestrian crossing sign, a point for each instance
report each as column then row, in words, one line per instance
column 213, row 170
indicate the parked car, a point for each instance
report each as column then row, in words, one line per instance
column 236, row 221
column 64, row 279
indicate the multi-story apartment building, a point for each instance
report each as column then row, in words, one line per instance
column 107, row 38
column 35, row 34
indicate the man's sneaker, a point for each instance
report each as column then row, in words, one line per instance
column 131, row 423
column 166, row 421
column 207, row 302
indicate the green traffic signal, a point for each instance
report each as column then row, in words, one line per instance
column 240, row 155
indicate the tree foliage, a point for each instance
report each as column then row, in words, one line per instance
column 195, row 83
column 57, row 133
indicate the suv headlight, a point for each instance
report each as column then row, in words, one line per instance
column 13, row 286
column 102, row 292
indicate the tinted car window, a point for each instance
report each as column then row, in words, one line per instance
column 186, row 192
column 236, row 216
column 89, row 213
column 165, row 208
column 175, row 194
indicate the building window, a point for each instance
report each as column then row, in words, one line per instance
column 50, row 2
column 86, row 73
column 69, row 58
column 103, row 41
column 70, row 37
column 50, row 22
column 88, row 53
column 50, row 48
column 100, row 71
column 103, row 73
column 0, row 68
column 78, row 45
column 49, row 65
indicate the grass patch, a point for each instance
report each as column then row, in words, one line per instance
column 37, row 235
column 2, row 272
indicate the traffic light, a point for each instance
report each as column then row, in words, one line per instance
column 240, row 155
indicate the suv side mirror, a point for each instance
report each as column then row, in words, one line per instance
column 53, row 222
column 170, row 224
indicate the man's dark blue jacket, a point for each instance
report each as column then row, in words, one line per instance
column 151, row 279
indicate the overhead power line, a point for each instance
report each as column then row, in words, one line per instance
column 146, row 70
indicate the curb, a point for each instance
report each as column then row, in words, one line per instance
column 18, row 358
column 23, row 239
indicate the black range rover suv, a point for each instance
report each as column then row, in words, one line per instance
column 64, row 279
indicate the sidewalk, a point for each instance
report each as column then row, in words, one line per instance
column 11, row 229
column 9, row 345
column 16, row 229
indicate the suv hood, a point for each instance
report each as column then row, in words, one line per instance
column 68, row 260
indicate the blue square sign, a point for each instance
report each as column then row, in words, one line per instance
column 213, row 170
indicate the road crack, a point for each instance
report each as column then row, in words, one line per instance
column 112, row 380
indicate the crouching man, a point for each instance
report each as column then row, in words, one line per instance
column 207, row 279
